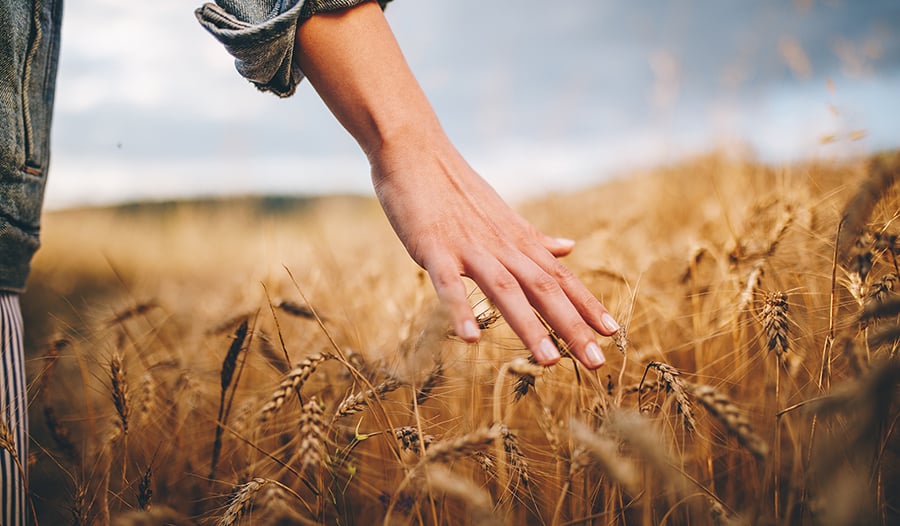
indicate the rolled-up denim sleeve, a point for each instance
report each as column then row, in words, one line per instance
column 260, row 35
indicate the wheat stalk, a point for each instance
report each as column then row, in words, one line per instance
column 137, row 310
column 145, row 489
column 479, row 502
column 526, row 371
column 229, row 324
column 639, row 432
column 8, row 440
column 620, row 338
column 271, row 507
column 488, row 318
column 456, row 448
column 671, row 378
column 775, row 325
column 446, row 451
column 229, row 366
column 356, row 402
column 267, row 349
column 80, row 508
column 605, row 451
column 642, row 387
column 312, row 434
column 514, row 456
column 878, row 310
column 881, row 290
column 731, row 416
column 120, row 393
column 229, row 363
column 296, row 309
column 411, row 440
column 434, row 378
column 240, row 501
column 856, row 214
column 485, row 461
column 753, row 281
column 293, row 381
column 147, row 402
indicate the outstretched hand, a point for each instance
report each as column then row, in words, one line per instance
column 454, row 224
column 449, row 219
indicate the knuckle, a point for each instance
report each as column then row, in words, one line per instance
column 545, row 284
column 446, row 281
column 562, row 274
column 590, row 307
column 503, row 282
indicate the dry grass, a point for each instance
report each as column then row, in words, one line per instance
column 298, row 352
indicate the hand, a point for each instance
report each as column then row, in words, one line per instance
column 454, row 224
column 448, row 218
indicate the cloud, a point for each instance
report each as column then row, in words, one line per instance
column 143, row 83
column 146, row 55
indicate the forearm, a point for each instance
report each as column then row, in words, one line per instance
column 355, row 64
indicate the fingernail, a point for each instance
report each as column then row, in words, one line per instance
column 470, row 330
column 609, row 322
column 568, row 243
column 547, row 352
column 594, row 355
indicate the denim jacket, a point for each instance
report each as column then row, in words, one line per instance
column 29, row 51
column 258, row 33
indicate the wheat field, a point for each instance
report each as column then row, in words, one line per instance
column 282, row 361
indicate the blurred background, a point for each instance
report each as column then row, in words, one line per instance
column 539, row 97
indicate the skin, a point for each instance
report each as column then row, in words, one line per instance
column 450, row 220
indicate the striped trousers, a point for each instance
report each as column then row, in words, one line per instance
column 13, row 414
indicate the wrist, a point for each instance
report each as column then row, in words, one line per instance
column 406, row 144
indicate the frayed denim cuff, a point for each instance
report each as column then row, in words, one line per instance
column 260, row 35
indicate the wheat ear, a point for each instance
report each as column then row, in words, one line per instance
column 240, row 501
column 434, row 378
column 120, row 394
column 411, row 440
column 456, row 448
column 478, row 501
column 735, row 421
column 514, row 456
column 859, row 208
column 605, row 451
column 356, row 402
column 312, row 434
column 775, row 325
column 293, row 381
column 229, row 366
column 671, row 378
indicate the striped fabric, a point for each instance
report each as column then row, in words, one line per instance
column 13, row 412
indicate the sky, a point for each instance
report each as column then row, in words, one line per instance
column 538, row 96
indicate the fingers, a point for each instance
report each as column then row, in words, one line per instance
column 445, row 276
column 588, row 306
column 546, row 293
column 558, row 246
column 520, row 281
column 503, row 289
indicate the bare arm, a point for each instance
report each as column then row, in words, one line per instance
column 449, row 219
